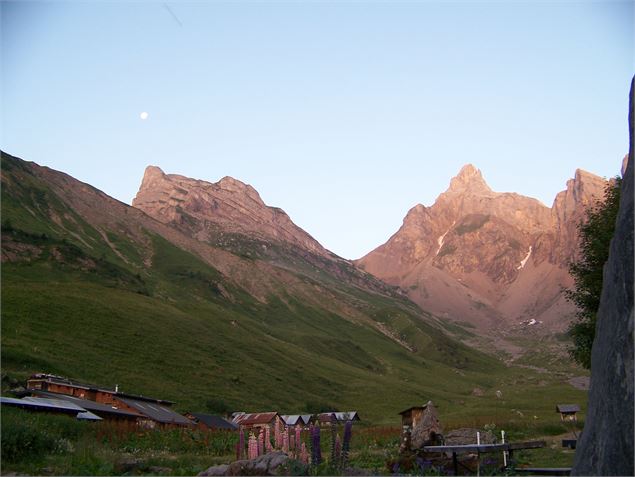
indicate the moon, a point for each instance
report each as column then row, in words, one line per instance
column 144, row 115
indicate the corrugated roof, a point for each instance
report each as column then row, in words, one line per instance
column 306, row 418
column 157, row 412
column 88, row 416
column 293, row 419
column 43, row 404
column 214, row 422
column 340, row 416
column 96, row 407
column 255, row 418
column 567, row 408
column 56, row 405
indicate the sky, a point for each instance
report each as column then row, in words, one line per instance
column 344, row 114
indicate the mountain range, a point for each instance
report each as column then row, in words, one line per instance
column 201, row 293
column 494, row 260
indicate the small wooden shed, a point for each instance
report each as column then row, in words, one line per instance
column 412, row 415
column 568, row 412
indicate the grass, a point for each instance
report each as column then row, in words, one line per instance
column 37, row 443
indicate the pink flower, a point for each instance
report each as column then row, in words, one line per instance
column 252, row 451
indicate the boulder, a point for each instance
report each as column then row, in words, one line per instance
column 606, row 444
column 273, row 463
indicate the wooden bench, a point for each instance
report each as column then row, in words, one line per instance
column 483, row 449
column 543, row 470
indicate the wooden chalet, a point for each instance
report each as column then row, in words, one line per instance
column 107, row 403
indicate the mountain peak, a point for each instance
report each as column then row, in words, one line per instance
column 468, row 178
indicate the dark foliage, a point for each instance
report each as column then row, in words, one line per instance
column 595, row 234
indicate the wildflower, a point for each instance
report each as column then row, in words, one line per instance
column 252, row 451
column 261, row 442
column 346, row 446
column 285, row 441
column 241, row 444
column 298, row 435
column 268, row 438
column 304, row 454
column 316, row 452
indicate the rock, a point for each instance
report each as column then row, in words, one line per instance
column 478, row 392
column 273, row 463
column 466, row 436
column 427, row 429
column 606, row 444
column 208, row 211
column 216, row 470
column 488, row 257
column 158, row 470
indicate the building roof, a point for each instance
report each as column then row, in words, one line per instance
column 93, row 406
column 339, row 416
column 255, row 418
column 156, row 411
column 567, row 408
column 214, row 422
column 53, row 405
column 51, row 378
column 413, row 407
column 294, row 419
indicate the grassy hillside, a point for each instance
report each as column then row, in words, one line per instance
column 95, row 290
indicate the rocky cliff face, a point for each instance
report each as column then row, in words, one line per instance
column 211, row 211
column 606, row 445
column 486, row 257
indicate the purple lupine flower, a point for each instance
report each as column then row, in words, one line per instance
column 346, row 445
column 241, row 443
column 316, row 452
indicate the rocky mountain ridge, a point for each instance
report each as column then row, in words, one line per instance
column 488, row 258
column 208, row 210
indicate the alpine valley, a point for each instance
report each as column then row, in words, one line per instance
column 201, row 292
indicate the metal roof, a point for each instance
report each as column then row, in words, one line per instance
column 156, row 411
column 339, row 416
column 47, row 404
column 42, row 404
column 293, row 419
column 255, row 418
column 566, row 408
column 96, row 407
column 214, row 422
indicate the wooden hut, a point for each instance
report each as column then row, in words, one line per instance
column 568, row 412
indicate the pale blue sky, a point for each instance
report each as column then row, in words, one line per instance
column 344, row 114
